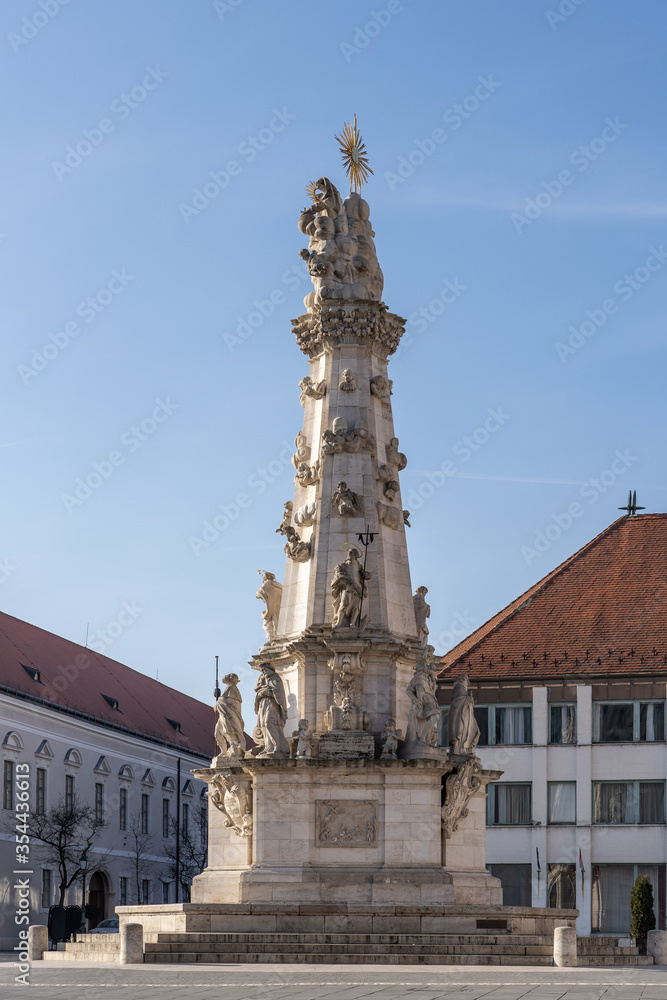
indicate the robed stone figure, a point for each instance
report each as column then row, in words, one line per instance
column 424, row 710
column 463, row 728
column 229, row 726
column 271, row 708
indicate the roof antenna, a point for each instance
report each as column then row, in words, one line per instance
column 87, row 627
column 632, row 507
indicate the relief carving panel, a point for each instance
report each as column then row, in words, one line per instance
column 345, row 823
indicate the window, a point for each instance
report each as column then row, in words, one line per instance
column 562, row 724
column 122, row 809
column 145, row 891
column 509, row 804
column 186, row 819
column 516, row 883
column 562, row 887
column 628, row 802
column 498, row 724
column 123, row 891
column 40, row 792
column 165, row 892
column 562, row 801
column 99, row 803
column 8, row 785
column 610, row 895
column 46, row 889
column 69, row 792
column 651, row 721
column 625, row 722
column 203, row 826
column 144, row 813
column 165, row 817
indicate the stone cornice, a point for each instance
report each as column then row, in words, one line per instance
column 338, row 322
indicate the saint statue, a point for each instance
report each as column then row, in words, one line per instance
column 463, row 728
column 271, row 593
column 348, row 587
column 422, row 612
column 229, row 726
column 424, row 711
column 271, row 708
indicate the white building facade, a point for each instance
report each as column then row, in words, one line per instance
column 569, row 683
column 126, row 779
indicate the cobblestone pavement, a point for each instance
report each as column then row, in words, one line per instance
column 87, row 981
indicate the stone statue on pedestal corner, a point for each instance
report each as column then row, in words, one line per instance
column 348, row 588
column 463, row 728
column 390, row 737
column 271, row 593
column 271, row 709
column 304, row 737
column 424, row 710
column 229, row 726
column 422, row 612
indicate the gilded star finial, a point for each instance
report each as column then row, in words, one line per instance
column 353, row 152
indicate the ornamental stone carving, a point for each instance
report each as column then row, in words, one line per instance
column 391, row 516
column 340, row 439
column 348, row 382
column 229, row 726
column 389, row 739
column 422, row 612
column 346, row 822
column 394, row 456
column 390, row 490
column 346, row 714
column 311, row 390
column 271, row 593
column 231, row 793
column 341, row 257
column 406, row 518
column 302, row 453
column 424, row 709
column 333, row 441
column 306, row 515
column 308, row 475
column 348, row 588
column 271, row 709
column 463, row 728
column 346, row 502
column 369, row 324
column 295, row 547
column 381, row 386
column 460, row 787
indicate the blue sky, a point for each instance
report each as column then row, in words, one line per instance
column 521, row 222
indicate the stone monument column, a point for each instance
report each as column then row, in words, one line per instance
column 347, row 794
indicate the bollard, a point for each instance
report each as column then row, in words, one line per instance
column 131, row 944
column 565, row 946
column 38, row 941
column 656, row 946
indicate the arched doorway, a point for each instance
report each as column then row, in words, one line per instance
column 96, row 908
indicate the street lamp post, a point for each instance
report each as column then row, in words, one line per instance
column 83, row 862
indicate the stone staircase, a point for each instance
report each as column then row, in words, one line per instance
column 350, row 949
column 87, row 948
column 607, row 951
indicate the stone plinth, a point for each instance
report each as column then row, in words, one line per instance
column 353, row 831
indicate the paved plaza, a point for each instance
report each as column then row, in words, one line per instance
column 87, row 981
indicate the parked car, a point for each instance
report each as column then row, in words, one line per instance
column 109, row 926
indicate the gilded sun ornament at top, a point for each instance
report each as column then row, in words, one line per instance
column 355, row 158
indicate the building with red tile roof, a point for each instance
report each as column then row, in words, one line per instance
column 78, row 725
column 569, row 682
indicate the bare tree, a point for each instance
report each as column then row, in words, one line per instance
column 193, row 856
column 65, row 833
column 140, row 849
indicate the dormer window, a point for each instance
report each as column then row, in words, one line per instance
column 32, row 673
column 111, row 701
